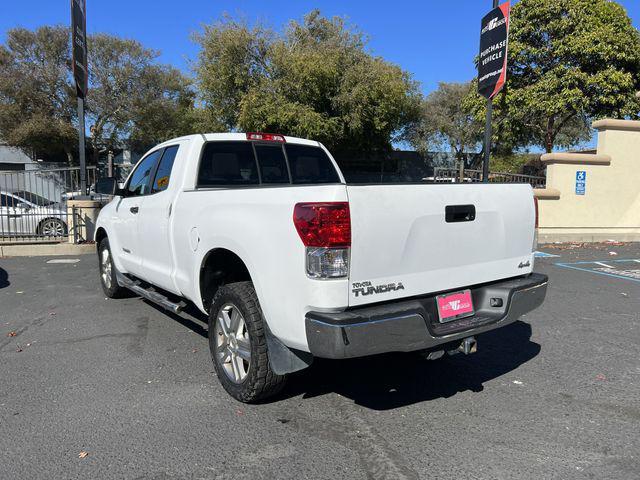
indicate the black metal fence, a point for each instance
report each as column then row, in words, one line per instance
column 452, row 175
column 33, row 203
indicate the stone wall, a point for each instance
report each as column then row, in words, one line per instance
column 609, row 209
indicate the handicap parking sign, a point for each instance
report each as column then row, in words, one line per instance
column 581, row 182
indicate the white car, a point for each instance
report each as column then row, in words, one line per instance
column 262, row 233
column 24, row 213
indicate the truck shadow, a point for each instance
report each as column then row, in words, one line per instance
column 4, row 278
column 390, row 381
column 191, row 318
column 384, row 382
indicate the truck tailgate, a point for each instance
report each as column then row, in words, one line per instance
column 404, row 245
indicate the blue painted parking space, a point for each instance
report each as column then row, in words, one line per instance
column 626, row 269
column 539, row 254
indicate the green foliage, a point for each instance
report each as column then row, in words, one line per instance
column 232, row 60
column 316, row 80
column 37, row 100
column 444, row 121
column 511, row 163
column 131, row 98
column 570, row 62
column 571, row 59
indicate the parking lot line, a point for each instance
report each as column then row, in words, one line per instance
column 608, row 269
column 539, row 254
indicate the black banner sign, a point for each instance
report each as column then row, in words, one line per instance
column 492, row 64
column 79, row 39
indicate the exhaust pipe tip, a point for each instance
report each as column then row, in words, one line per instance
column 435, row 355
column 468, row 346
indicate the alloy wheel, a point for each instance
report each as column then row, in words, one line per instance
column 52, row 228
column 105, row 264
column 233, row 345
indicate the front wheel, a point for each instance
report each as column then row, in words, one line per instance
column 238, row 344
column 108, row 278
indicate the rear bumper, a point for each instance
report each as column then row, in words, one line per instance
column 409, row 325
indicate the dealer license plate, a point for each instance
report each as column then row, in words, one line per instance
column 454, row 305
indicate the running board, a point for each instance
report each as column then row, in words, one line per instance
column 149, row 294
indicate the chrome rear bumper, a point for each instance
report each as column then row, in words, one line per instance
column 408, row 325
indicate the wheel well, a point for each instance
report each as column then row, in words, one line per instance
column 220, row 266
column 101, row 234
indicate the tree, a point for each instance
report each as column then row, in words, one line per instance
column 37, row 97
column 132, row 99
column 570, row 61
column 316, row 80
column 444, row 120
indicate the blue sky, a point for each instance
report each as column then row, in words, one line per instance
column 434, row 40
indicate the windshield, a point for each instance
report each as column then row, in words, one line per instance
column 33, row 198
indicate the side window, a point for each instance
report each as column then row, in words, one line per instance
column 227, row 163
column 140, row 182
column 6, row 201
column 310, row 165
column 273, row 166
column 163, row 175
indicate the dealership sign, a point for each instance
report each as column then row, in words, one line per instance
column 79, row 39
column 492, row 62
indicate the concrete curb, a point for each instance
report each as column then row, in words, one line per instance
column 46, row 250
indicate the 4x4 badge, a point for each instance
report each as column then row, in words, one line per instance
column 524, row 264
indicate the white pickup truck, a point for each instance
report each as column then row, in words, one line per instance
column 262, row 233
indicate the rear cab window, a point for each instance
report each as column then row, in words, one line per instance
column 246, row 163
column 273, row 164
column 310, row 165
column 227, row 164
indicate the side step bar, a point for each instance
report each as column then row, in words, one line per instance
column 149, row 294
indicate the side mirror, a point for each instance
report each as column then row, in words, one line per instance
column 108, row 186
column 23, row 206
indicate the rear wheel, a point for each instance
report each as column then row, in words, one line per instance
column 108, row 278
column 238, row 344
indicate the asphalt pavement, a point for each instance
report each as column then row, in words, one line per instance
column 106, row 389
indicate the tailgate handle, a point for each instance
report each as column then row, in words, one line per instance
column 460, row 213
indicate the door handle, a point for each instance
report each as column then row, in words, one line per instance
column 134, row 209
column 460, row 213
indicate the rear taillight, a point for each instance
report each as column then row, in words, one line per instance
column 325, row 224
column 325, row 231
column 535, row 206
column 266, row 137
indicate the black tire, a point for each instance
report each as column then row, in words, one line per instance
column 260, row 381
column 108, row 278
column 47, row 224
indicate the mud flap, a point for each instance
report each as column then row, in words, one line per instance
column 283, row 359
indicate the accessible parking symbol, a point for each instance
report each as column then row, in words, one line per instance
column 581, row 182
